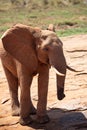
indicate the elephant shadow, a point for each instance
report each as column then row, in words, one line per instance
column 62, row 120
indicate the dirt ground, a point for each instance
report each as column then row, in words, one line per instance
column 68, row 114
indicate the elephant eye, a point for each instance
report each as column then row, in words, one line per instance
column 46, row 49
column 44, row 37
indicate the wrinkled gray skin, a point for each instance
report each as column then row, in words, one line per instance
column 25, row 52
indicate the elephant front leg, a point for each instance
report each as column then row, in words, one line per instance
column 43, row 78
column 25, row 80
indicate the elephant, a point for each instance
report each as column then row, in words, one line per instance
column 26, row 51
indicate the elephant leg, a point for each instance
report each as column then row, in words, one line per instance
column 13, row 88
column 32, row 109
column 26, row 105
column 43, row 78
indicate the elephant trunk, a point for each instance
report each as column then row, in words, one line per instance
column 60, row 69
column 60, row 86
column 60, row 81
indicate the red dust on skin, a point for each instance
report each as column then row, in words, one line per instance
column 22, row 57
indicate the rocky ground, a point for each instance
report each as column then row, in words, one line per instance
column 68, row 114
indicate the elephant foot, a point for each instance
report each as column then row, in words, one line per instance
column 25, row 121
column 16, row 111
column 42, row 119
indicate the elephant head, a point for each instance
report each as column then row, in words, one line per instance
column 50, row 51
column 29, row 45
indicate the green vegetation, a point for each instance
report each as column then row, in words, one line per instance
column 68, row 16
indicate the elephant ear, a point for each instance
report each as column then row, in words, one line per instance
column 19, row 41
column 51, row 27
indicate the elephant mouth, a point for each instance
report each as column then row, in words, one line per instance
column 57, row 72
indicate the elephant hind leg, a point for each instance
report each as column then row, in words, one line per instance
column 13, row 88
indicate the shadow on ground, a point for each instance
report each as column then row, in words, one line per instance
column 63, row 120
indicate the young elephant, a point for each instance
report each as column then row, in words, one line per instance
column 26, row 51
